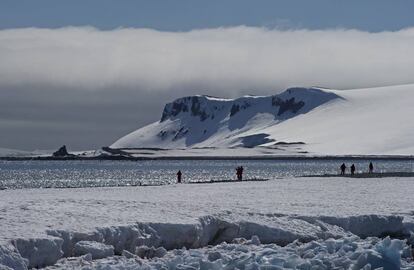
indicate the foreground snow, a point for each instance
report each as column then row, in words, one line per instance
column 347, row 253
column 375, row 121
column 296, row 221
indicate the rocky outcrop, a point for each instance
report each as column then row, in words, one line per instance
column 287, row 105
column 197, row 106
column 62, row 152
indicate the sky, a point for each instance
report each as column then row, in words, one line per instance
column 86, row 72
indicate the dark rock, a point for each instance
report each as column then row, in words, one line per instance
column 180, row 133
column 162, row 134
column 287, row 105
column 237, row 107
column 255, row 140
column 288, row 143
column 182, row 105
column 196, row 109
column 234, row 109
column 62, row 152
column 174, row 109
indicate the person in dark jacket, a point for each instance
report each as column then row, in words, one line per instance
column 352, row 169
column 179, row 177
column 343, row 168
column 239, row 173
column 371, row 167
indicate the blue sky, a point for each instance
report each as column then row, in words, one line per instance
column 184, row 15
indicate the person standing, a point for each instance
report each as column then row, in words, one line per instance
column 371, row 167
column 343, row 168
column 179, row 177
column 241, row 173
column 352, row 169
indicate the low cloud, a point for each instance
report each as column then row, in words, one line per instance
column 103, row 74
column 237, row 58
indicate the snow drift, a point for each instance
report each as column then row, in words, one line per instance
column 152, row 240
column 375, row 121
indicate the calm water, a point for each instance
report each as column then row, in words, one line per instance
column 45, row 174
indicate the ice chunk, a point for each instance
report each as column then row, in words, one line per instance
column 150, row 252
column 40, row 252
column 96, row 249
column 71, row 238
column 281, row 235
column 167, row 232
column 213, row 230
column 254, row 240
column 368, row 225
column 129, row 237
column 207, row 265
column 214, row 255
column 10, row 259
column 390, row 251
column 127, row 254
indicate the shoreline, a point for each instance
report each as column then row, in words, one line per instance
column 366, row 175
column 128, row 158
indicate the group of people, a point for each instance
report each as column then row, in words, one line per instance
column 239, row 171
column 343, row 168
column 239, row 174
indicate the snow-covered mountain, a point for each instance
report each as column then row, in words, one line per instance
column 6, row 152
column 297, row 121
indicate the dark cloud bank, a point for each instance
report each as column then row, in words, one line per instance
column 85, row 88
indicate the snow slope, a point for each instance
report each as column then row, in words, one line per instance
column 6, row 152
column 374, row 121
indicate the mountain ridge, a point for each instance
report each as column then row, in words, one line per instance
column 194, row 121
column 369, row 121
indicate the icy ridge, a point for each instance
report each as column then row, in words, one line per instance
column 209, row 230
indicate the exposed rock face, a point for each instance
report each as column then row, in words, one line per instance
column 62, row 152
column 237, row 107
column 287, row 105
column 197, row 106
column 205, row 107
column 174, row 109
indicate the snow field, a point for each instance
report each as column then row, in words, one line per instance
column 145, row 220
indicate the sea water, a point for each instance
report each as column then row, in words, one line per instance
column 101, row 173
